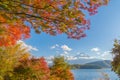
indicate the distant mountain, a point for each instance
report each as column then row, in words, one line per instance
column 94, row 65
column 82, row 61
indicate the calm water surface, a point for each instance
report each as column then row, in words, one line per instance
column 94, row 74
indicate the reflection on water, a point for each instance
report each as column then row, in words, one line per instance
column 94, row 74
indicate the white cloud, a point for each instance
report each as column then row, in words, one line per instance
column 28, row 47
column 106, row 55
column 49, row 62
column 90, row 57
column 65, row 52
column 63, row 55
column 54, row 46
column 95, row 49
column 82, row 55
column 66, row 48
column 49, row 58
column 71, row 58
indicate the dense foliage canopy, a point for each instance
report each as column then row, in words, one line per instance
column 50, row 16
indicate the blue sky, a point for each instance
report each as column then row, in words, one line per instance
column 105, row 27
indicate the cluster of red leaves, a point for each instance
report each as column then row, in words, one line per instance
column 41, row 65
column 10, row 33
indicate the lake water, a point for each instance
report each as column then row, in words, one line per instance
column 94, row 74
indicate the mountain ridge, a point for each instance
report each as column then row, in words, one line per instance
column 93, row 65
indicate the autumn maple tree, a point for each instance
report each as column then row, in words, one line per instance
column 50, row 16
